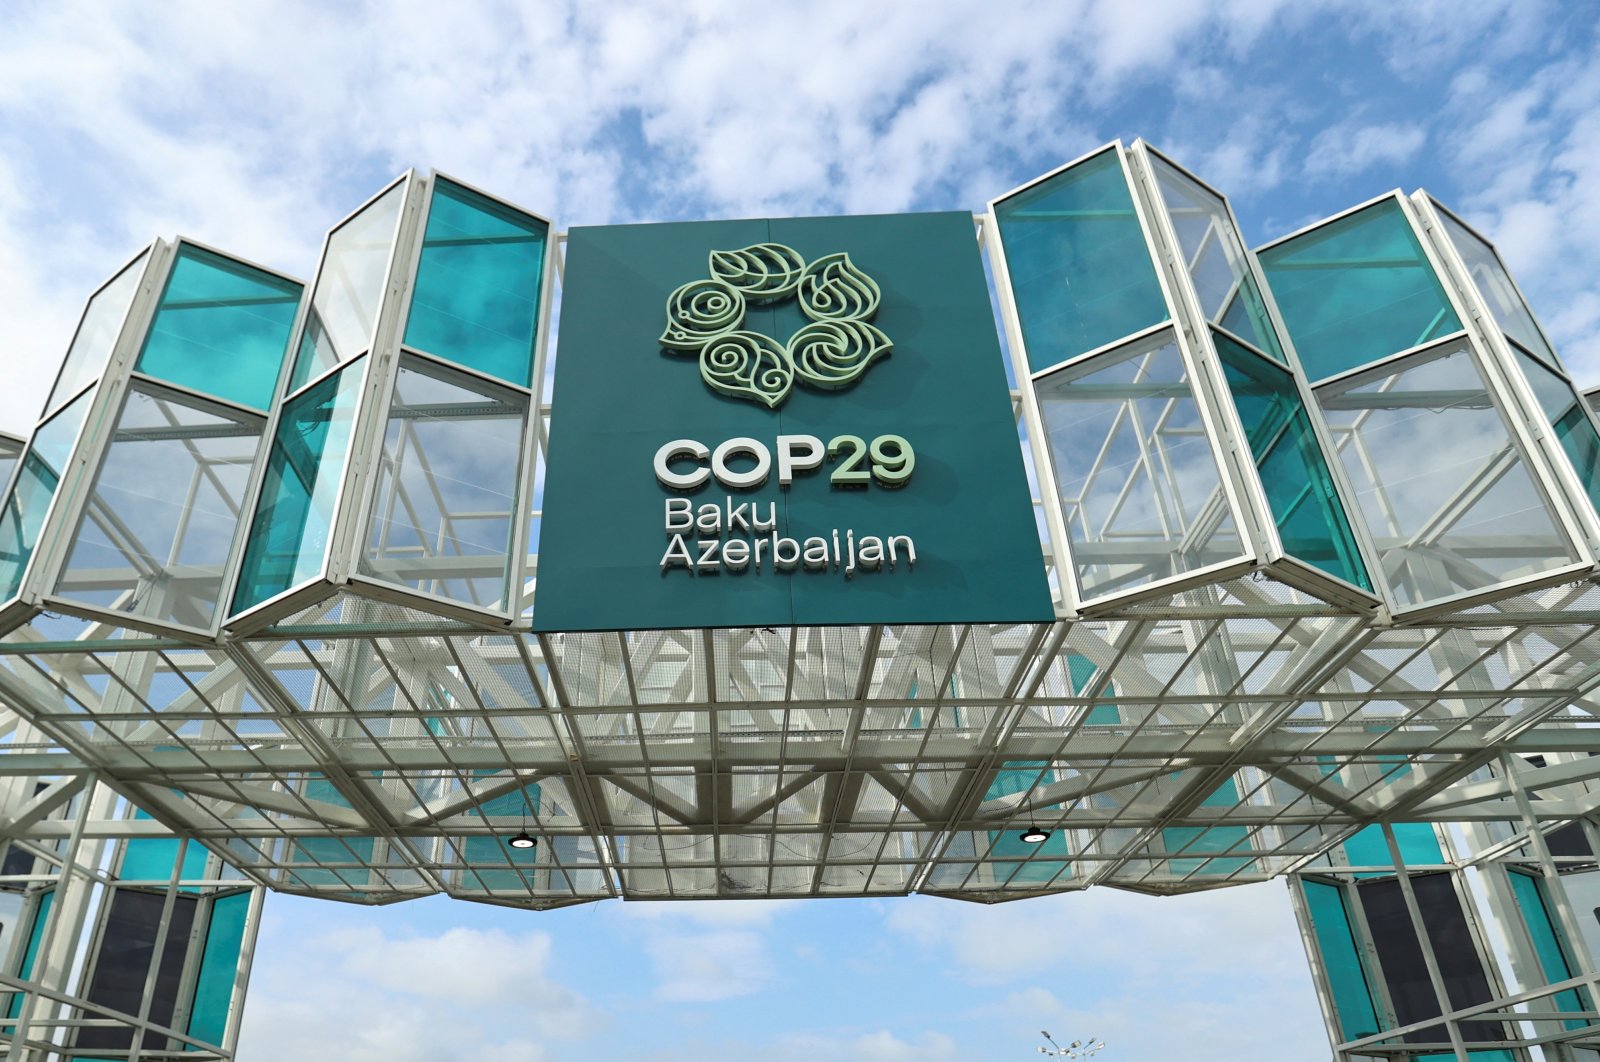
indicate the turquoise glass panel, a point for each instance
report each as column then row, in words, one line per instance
column 1214, row 256
column 1572, row 426
column 1341, row 960
column 1206, row 839
column 221, row 328
column 1081, row 669
column 34, row 486
column 294, row 515
column 97, row 333
column 1497, row 289
column 341, row 852
column 517, row 805
column 1357, row 290
column 152, row 858
column 1530, row 896
column 350, row 284
column 213, row 989
column 1419, row 846
column 1015, row 777
column 30, row 954
column 1081, row 273
column 476, row 299
column 1306, row 509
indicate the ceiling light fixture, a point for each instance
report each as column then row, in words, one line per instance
column 1034, row 835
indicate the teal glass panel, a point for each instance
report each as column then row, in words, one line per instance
column 1530, row 896
column 1019, row 776
column 219, row 961
column 1356, row 290
column 294, row 515
column 476, row 299
column 30, row 954
column 1207, row 839
column 152, row 858
column 344, row 305
column 1573, row 428
column 33, row 488
column 1080, row 270
column 1450, row 504
column 1495, row 285
column 1080, row 669
column 444, row 507
column 1139, row 483
column 1418, row 841
column 1341, row 960
column 1305, row 505
column 1215, row 258
column 221, row 328
column 340, row 852
column 97, row 333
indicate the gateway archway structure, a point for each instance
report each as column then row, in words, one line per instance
column 1304, row 589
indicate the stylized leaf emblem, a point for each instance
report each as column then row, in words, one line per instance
column 699, row 311
column 763, row 271
column 747, row 365
column 833, row 289
column 834, row 354
column 830, row 353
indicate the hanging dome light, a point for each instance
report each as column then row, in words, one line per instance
column 523, row 840
column 1034, row 835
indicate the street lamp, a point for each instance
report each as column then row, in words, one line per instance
column 1076, row 1049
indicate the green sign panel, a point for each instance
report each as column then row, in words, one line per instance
column 783, row 422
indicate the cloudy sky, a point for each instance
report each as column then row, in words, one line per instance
column 253, row 127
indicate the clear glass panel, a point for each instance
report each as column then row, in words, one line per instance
column 289, row 532
column 1215, row 258
column 1139, row 483
column 1573, row 428
column 1494, row 284
column 476, row 300
column 1080, row 270
column 446, row 490
column 1341, row 960
column 222, row 328
column 97, row 333
column 1357, row 290
column 1450, row 503
column 344, row 306
column 213, row 991
column 1305, row 506
column 160, row 523
column 28, row 501
column 10, row 454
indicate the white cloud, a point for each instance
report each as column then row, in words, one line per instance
column 462, row 994
column 1354, row 147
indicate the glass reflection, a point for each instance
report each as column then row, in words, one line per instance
column 442, row 511
column 476, row 299
column 294, row 517
column 28, row 500
column 221, row 329
column 1080, row 270
column 1357, row 290
column 97, row 333
column 1494, row 284
column 1573, row 428
column 159, row 526
column 344, row 307
column 1445, row 493
column 1215, row 258
column 1140, row 487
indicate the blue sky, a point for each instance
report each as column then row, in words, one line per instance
column 254, row 127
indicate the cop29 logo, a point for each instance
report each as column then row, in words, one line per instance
column 833, row 351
